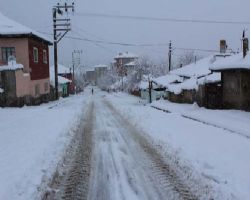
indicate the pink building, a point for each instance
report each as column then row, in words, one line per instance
column 30, row 83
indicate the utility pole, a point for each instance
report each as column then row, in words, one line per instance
column 76, row 61
column 61, row 26
column 170, row 56
column 122, row 68
column 150, row 90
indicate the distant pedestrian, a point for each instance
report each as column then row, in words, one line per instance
column 92, row 91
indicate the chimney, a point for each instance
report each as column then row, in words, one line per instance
column 245, row 46
column 223, row 46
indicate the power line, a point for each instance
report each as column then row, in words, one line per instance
column 98, row 45
column 175, row 20
column 132, row 45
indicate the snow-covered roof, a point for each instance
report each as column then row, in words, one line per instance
column 198, row 69
column 190, row 84
column 126, row 55
column 101, row 66
column 61, row 69
column 11, row 27
column 61, row 80
column 12, row 65
column 193, row 83
column 233, row 62
column 212, row 78
column 133, row 63
column 167, row 79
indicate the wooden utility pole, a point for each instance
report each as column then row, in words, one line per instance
column 61, row 26
column 170, row 56
column 150, row 90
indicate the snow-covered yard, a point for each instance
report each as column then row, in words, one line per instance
column 220, row 157
column 32, row 142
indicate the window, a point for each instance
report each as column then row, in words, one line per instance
column 35, row 54
column 6, row 52
column 46, row 87
column 45, row 60
column 37, row 90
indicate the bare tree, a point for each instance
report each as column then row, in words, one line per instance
column 187, row 58
column 144, row 66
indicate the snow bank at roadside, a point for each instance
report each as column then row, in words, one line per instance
column 32, row 140
column 235, row 120
column 220, row 157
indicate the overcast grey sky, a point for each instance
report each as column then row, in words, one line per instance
column 37, row 15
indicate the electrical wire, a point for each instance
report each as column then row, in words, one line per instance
column 175, row 20
column 130, row 44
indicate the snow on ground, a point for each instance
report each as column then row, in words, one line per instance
column 32, row 141
column 218, row 156
column 234, row 120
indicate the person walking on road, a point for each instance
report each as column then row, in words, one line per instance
column 92, row 91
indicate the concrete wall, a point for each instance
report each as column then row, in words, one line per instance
column 22, row 83
column 41, row 84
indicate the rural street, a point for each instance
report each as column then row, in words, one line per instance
column 112, row 160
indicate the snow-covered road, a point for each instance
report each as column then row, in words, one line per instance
column 116, row 148
column 213, row 154
column 126, row 166
column 32, row 142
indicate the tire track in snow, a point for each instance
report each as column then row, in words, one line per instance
column 156, row 169
column 73, row 182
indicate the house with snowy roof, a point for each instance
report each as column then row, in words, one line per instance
column 125, row 63
column 235, row 72
column 29, row 84
column 196, row 82
column 193, row 76
column 63, row 84
column 67, row 73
